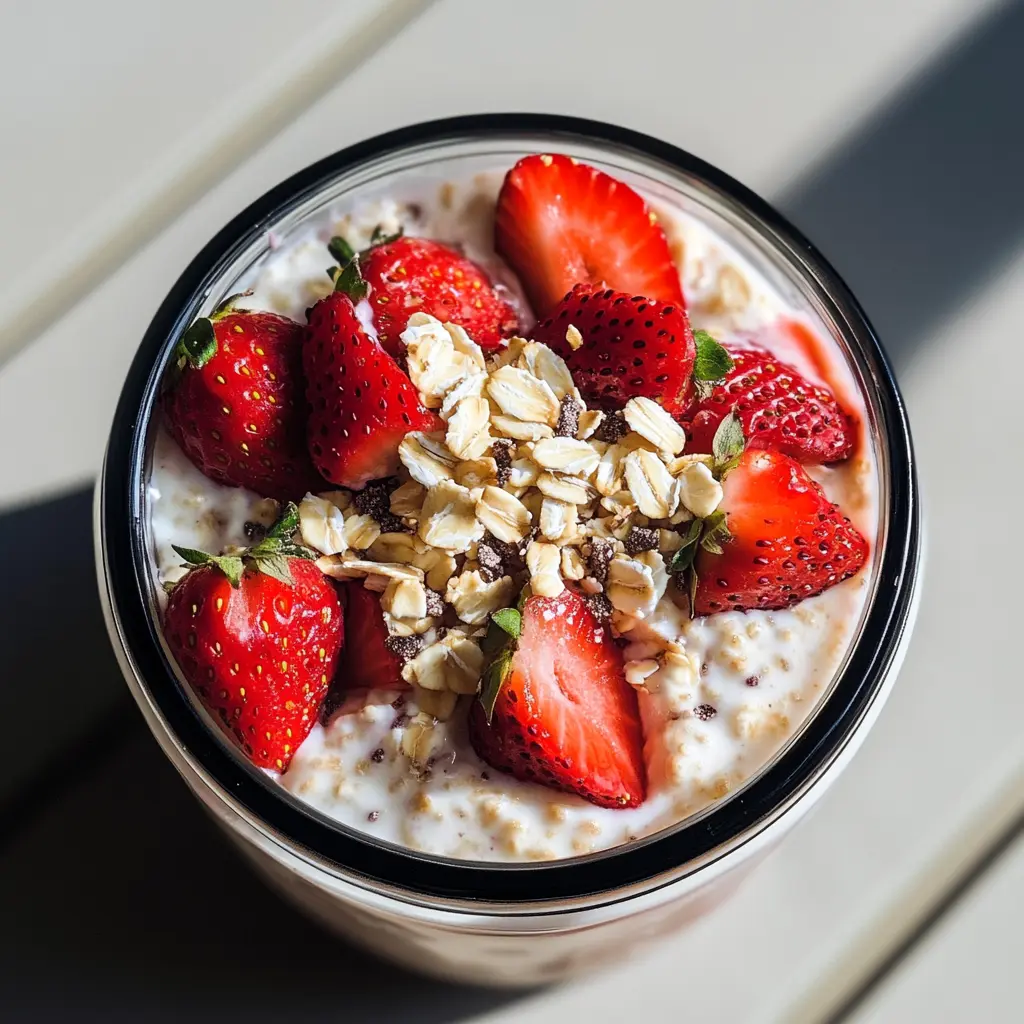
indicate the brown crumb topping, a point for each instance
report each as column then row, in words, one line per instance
column 404, row 647
column 640, row 539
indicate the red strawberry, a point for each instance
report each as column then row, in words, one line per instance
column 564, row 715
column 788, row 541
column 361, row 402
column 238, row 409
column 258, row 651
column 777, row 408
column 413, row 275
column 631, row 346
column 369, row 660
column 561, row 223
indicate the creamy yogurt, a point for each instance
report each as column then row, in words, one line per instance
column 754, row 677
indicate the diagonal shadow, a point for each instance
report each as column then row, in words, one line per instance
column 110, row 878
column 923, row 204
column 124, row 903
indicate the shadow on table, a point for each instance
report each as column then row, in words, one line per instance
column 116, row 893
column 123, row 903
column 922, row 205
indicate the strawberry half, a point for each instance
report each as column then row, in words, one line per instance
column 236, row 405
column 777, row 407
column 785, row 540
column 561, row 712
column 361, row 402
column 411, row 275
column 631, row 346
column 257, row 636
column 368, row 661
column 561, row 223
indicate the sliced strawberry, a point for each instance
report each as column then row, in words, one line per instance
column 236, row 405
column 631, row 346
column 561, row 223
column 564, row 715
column 777, row 407
column 788, row 541
column 257, row 638
column 417, row 275
column 369, row 660
column 361, row 402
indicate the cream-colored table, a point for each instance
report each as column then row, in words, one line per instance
column 174, row 137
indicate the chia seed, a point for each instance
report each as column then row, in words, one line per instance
column 374, row 500
column 611, row 428
column 491, row 565
column 568, row 417
column 705, row 711
column 435, row 603
column 600, row 607
column 501, row 452
column 640, row 539
column 600, row 557
column 752, row 680
column 254, row 531
column 404, row 647
column 373, row 816
column 377, row 756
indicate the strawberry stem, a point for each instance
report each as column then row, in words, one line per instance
column 197, row 345
column 271, row 555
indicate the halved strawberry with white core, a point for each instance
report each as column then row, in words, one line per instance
column 628, row 347
column 361, row 402
column 784, row 540
column 563, row 714
column 561, row 223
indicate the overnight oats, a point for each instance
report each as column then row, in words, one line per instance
column 510, row 518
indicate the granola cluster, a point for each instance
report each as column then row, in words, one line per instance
column 525, row 486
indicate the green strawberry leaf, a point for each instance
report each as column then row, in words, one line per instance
column 192, row 556
column 275, row 564
column 710, row 364
column 350, row 280
column 510, row 621
column 691, row 592
column 379, row 238
column 728, row 442
column 298, row 551
column 683, row 558
column 198, row 345
column 494, row 678
column 340, row 250
column 287, row 522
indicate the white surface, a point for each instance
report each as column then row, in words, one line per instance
column 807, row 922
column 116, row 115
column 968, row 968
column 774, row 133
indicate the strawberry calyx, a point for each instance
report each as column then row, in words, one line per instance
column 270, row 555
column 710, row 365
column 347, row 275
column 711, row 532
column 500, row 644
column 198, row 342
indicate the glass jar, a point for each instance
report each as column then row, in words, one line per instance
column 508, row 923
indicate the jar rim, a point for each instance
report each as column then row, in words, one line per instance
column 715, row 832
